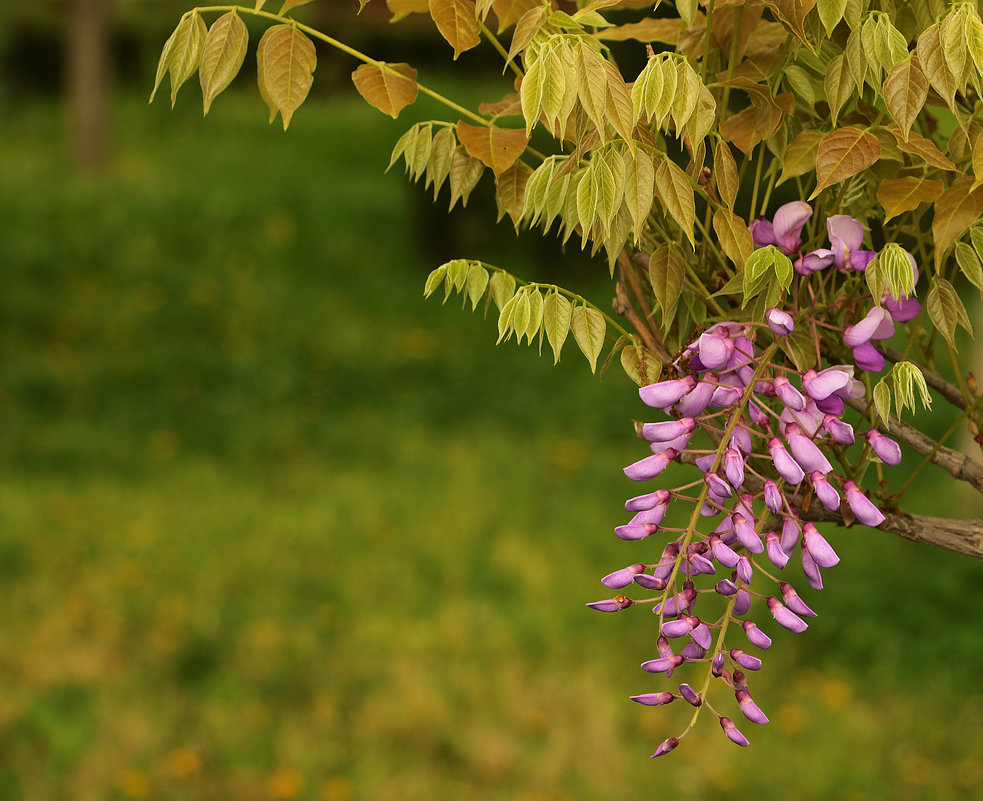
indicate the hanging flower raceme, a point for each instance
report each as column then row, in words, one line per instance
column 768, row 441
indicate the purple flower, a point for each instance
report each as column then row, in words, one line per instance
column 744, row 570
column 793, row 601
column 901, row 311
column 876, row 325
column 810, row 568
column 632, row 533
column 747, row 536
column 790, row 532
column 825, row 491
column 773, row 545
column 887, row 450
column 819, row 549
column 732, row 732
column 785, row 617
column 805, row 452
column 846, row 235
column 773, row 498
column 784, row 232
column 786, row 466
column 789, row 395
column 690, row 695
column 779, row 322
column 664, row 664
column 734, row 467
column 725, row 587
column 649, row 467
column 742, row 603
column 840, row 432
column 717, row 485
column 819, row 386
column 668, row 430
column 755, row 635
column 725, row 397
column 666, row 747
column 696, row 401
column 622, row 578
column 666, row 393
column 715, row 349
column 749, row 708
column 868, row 358
column 701, row 636
column 746, row 661
column 861, row 506
column 722, row 552
column 615, row 604
column 653, row 699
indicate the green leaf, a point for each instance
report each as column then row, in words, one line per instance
column 535, row 324
column 531, row 93
column 557, row 312
column 676, row 194
column 686, row 96
column 441, row 158
column 946, row 310
column 666, row 272
column 477, row 283
column 882, row 401
column 466, row 171
column 289, row 4
column 288, row 61
column 434, row 280
column 839, row 85
column 935, row 65
column 905, row 92
column 418, row 158
column 801, row 349
column 222, row 55
column 592, row 84
column 501, row 288
column 505, row 318
column 725, row 174
column 457, row 276
column 800, row 155
column 969, row 263
column 733, row 235
column 537, row 190
column 639, row 365
column 182, row 53
column 761, row 265
column 588, row 328
column 647, row 89
column 639, row 188
column 830, row 13
column 510, row 191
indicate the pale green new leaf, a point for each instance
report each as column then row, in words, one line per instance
column 969, row 263
column 666, row 272
column 501, row 289
column 505, row 317
column 406, row 143
column 935, row 65
column 856, row 58
column 896, row 268
column 418, row 158
column 434, row 280
column 830, row 13
column 557, row 312
column 758, row 268
column 441, row 157
column 686, row 96
column 592, row 84
column 953, row 39
column 537, row 190
column 725, row 174
column 946, row 310
column 647, row 89
column 839, row 84
column 466, row 171
column 639, row 188
column 882, row 401
column 182, row 53
column 640, row 368
column 477, row 283
column 289, row 60
column 457, row 276
column 531, row 92
column 222, row 55
column 670, row 79
column 588, row 329
column 535, row 323
column 676, row 194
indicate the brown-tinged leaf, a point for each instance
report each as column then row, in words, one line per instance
column 733, row 235
column 958, row 208
column 457, row 22
column 525, row 29
column 621, row 113
column 800, row 155
column 666, row 271
column 906, row 194
column 510, row 191
column 793, row 14
column 388, row 87
column 403, row 8
column 222, row 55
column 703, row 117
column 361, row 4
column 842, row 154
column 289, row 61
column 757, row 123
column 933, row 62
column 905, row 91
column 182, row 53
column 648, row 30
column 289, row 4
column 264, row 90
column 466, row 171
column 509, row 105
column 510, row 11
column 725, row 174
column 676, row 194
column 595, row 6
column 978, row 161
column 918, row 145
column 497, row 148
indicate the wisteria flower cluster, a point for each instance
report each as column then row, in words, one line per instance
column 762, row 434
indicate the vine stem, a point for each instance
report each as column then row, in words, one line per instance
column 352, row 52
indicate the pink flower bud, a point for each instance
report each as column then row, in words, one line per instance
column 779, row 322
column 789, row 395
column 668, row 430
column 649, row 467
column 825, row 491
column 773, row 545
column 665, row 747
column 755, row 635
column 651, row 582
column 666, row 393
column 653, row 699
column 840, row 432
column 622, row 578
column 887, row 450
column 805, row 452
column 690, row 695
column 732, row 732
column 746, row 534
column 717, row 485
column 749, row 708
column 742, row 603
column 790, row 533
column 861, row 506
column 746, row 661
column 722, row 552
column 636, row 532
column 786, row 466
column 615, row 604
column 734, row 467
column 786, row 618
column 811, row 570
column 773, row 498
column 695, row 402
column 664, row 664
column 793, row 601
column 819, row 549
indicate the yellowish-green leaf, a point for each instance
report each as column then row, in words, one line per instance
column 510, row 12
column 387, row 87
column 905, row 91
column 953, row 38
column 260, row 3
column 969, row 263
column 978, row 161
column 588, row 329
column 958, row 208
column 403, row 8
column 535, row 325
column 592, row 84
column 457, row 22
column 418, row 156
column 650, row 29
column 839, row 85
column 182, row 53
column 640, row 365
column 935, row 66
column 725, row 174
column 800, row 155
column 434, row 280
column 666, row 272
column 511, row 191
column 856, row 58
column 222, row 55
column 686, row 96
column 830, row 13
column 946, row 310
column 501, row 288
column 289, row 4
column 704, row 117
column 733, row 236
column 466, row 171
column 557, row 311
column 882, row 401
column 897, row 196
column 842, row 154
column 676, row 194
column 531, row 92
column 441, row 158
column 639, row 188
column 620, row 113
column 497, row 148
column 289, row 61
column 477, row 283
column 525, row 29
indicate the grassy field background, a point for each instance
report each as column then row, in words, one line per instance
column 273, row 527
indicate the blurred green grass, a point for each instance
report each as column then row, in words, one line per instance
column 272, row 526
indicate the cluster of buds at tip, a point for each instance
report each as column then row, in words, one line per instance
column 761, row 433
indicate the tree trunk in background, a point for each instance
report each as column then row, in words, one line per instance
column 87, row 80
